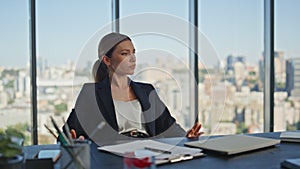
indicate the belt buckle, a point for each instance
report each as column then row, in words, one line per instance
column 134, row 133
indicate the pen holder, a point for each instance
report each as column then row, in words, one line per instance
column 130, row 161
column 76, row 156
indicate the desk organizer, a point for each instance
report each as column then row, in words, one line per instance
column 36, row 163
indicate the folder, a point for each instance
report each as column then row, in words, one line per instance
column 233, row 144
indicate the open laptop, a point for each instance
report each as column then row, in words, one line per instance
column 233, row 144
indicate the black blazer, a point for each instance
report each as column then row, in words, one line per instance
column 95, row 104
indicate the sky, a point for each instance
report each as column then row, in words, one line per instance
column 65, row 27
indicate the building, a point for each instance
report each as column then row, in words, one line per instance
column 296, row 65
column 289, row 85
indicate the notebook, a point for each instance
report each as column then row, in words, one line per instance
column 290, row 136
column 53, row 154
column 291, row 163
column 233, row 144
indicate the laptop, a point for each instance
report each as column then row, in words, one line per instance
column 233, row 144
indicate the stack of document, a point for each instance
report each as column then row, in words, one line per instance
column 163, row 153
column 290, row 136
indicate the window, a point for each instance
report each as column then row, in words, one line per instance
column 161, row 38
column 230, row 52
column 15, row 101
column 64, row 55
column 230, row 72
column 287, row 66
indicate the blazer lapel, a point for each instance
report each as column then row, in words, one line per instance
column 105, row 102
column 143, row 97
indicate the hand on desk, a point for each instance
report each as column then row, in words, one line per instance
column 195, row 131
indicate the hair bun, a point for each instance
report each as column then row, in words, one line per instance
column 108, row 42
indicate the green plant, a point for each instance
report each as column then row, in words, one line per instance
column 11, row 142
column 241, row 128
column 59, row 108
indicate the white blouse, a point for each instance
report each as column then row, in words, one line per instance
column 129, row 116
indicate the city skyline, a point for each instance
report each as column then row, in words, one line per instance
column 243, row 102
column 223, row 22
column 229, row 105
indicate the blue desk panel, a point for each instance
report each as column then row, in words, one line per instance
column 265, row 158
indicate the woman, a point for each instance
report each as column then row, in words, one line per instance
column 130, row 108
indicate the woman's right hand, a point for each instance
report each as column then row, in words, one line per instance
column 74, row 135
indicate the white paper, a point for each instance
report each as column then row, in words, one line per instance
column 138, row 147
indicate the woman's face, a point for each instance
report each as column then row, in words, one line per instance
column 123, row 59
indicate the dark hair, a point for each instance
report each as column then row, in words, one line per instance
column 102, row 70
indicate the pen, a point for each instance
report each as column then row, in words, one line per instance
column 67, row 129
column 61, row 136
column 65, row 142
column 158, row 150
column 52, row 132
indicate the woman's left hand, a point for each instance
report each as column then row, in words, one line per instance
column 195, row 131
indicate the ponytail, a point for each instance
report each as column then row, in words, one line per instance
column 100, row 71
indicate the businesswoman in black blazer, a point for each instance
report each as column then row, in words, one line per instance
column 115, row 106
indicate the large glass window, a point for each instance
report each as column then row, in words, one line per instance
column 230, row 52
column 63, row 30
column 159, row 30
column 230, row 66
column 15, row 102
column 287, row 66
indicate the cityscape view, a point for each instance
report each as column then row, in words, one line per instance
column 240, row 112
column 230, row 88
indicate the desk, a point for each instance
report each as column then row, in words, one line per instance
column 265, row 158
